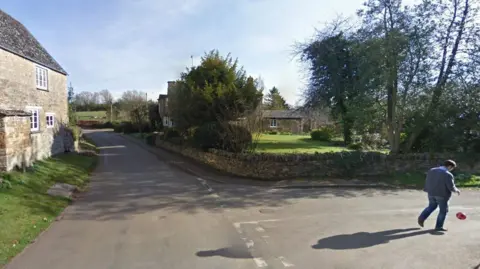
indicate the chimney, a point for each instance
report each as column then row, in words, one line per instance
column 171, row 86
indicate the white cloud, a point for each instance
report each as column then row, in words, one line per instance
column 145, row 43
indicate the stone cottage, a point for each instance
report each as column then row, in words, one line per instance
column 293, row 121
column 163, row 108
column 33, row 98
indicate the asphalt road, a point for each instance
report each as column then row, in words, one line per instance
column 141, row 212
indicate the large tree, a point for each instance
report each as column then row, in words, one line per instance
column 335, row 59
column 216, row 90
column 275, row 101
column 134, row 103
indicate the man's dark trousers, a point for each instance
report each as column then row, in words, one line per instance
column 433, row 203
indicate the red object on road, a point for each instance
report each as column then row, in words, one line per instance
column 461, row 216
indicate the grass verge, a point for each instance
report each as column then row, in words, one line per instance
column 25, row 208
column 417, row 180
column 293, row 144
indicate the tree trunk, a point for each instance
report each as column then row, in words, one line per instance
column 444, row 72
column 347, row 131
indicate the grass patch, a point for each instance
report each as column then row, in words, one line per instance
column 87, row 144
column 26, row 209
column 91, row 115
column 417, row 180
column 294, row 144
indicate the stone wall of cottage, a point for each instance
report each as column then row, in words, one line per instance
column 15, row 143
column 18, row 91
column 284, row 125
column 325, row 165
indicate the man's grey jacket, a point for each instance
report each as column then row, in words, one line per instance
column 440, row 182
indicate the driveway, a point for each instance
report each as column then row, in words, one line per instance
column 141, row 212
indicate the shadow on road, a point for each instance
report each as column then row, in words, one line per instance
column 233, row 253
column 130, row 181
column 365, row 239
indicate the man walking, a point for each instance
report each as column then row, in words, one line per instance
column 439, row 185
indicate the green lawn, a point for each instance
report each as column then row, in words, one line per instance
column 26, row 209
column 417, row 180
column 293, row 143
column 91, row 115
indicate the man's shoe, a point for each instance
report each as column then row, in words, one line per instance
column 441, row 229
column 420, row 221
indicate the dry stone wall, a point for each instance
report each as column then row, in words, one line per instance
column 338, row 164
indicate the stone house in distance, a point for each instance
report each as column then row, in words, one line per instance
column 291, row 121
column 163, row 109
column 33, row 98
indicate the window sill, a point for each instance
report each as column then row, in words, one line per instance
column 42, row 89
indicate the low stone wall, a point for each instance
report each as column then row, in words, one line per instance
column 338, row 164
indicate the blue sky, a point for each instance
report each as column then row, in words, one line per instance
column 141, row 44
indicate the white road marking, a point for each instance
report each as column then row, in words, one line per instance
column 260, row 262
column 238, row 227
column 260, row 229
column 205, row 184
column 285, row 262
column 256, row 222
column 249, row 243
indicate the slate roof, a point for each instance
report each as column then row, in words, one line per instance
column 15, row 38
column 283, row 114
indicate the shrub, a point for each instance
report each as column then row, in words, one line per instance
column 272, row 132
column 129, row 128
column 75, row 131
column 226, row 137
column 107, row 125
column 144, row 127
column 117, row 127
column 5, row 182
column 171, row 133
column 150, row 139
column 373, row 141
column 178, row 140
column 325, row 133
column 190, row 132
column 355, row 146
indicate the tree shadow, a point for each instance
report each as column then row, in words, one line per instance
column 134, row 182
column 366, row 239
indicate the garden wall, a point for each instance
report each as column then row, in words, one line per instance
column 338, row 164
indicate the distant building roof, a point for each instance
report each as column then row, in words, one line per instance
column 283, row 114
column 15, row 38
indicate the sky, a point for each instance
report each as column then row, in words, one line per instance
column 124, row 45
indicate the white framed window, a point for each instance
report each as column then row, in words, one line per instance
column 273, row 122
column 50, row 119
column 34, row 119
column 41, row 77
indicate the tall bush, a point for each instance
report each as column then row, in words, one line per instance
column 325, row 133
column 224, row 136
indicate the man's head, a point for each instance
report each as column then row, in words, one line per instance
column 450, row 165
